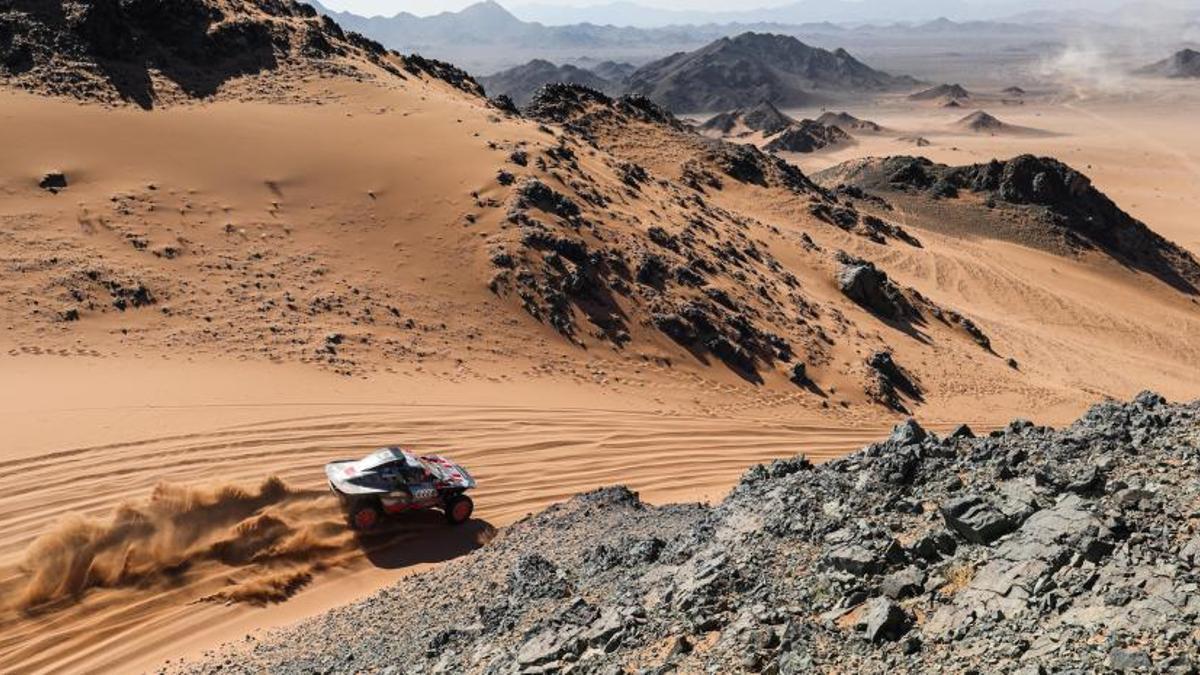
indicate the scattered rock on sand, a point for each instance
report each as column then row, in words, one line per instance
column 864, row 283
column 53, row 181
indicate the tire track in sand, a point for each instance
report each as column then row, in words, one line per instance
column 525, row 458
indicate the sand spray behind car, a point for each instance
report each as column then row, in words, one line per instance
column 255, row 544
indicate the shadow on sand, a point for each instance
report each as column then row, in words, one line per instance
column 423, row 537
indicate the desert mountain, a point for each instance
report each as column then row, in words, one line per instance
column 807, row 136
column 755, row 66
column 942, row 92
column 764, row 118
column 1033, row 200
column 849, row 123
column 1183, row 63
column 522, row 82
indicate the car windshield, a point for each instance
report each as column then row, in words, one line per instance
column 378, row 458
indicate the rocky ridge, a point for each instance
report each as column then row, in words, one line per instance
column 1026, row 550
column 1039, row 194
column 149, row 53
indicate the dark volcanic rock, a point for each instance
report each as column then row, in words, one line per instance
column 976, row 519
column 53, row 181
column 871, row 288
column 807, row 136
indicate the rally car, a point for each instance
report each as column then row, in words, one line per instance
column 393, row 480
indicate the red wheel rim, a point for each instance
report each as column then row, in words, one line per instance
column 462, row 510
column 365, row 519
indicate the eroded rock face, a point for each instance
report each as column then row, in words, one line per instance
column 1026, row 550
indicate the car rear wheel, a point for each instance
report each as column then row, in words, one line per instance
column 459, row 509
column 365, row 516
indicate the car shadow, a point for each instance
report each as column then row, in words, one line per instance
column 423, row 537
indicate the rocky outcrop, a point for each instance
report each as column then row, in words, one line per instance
column 807, row 136
column 1031, row 193
column 764, row 118
column 520, row 83
column 918, row 554
column 114, row 49
column 864, row 283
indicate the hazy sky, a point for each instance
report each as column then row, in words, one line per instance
column 420, row 7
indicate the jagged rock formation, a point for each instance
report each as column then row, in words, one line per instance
column 752, row 67
column 1181, row 64
column 1026, row 550
column 135, row 49
column 522, row 82
column 807, row 136
column 1037, row 195
column 764, row 118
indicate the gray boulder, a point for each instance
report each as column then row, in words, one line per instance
column 976, row 519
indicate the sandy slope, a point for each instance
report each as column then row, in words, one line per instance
column 529, row 446
column 263, row 229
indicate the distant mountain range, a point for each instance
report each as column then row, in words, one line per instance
column 627, row 13
column 726, row 74
column 485, row 37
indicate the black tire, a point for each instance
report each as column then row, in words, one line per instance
column 459, row 509
column 365, row 516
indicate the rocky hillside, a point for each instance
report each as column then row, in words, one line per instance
column 1026, row 550
column 1032, row 199
column 1183, row 63
column 522, row 82
column 849, row 123
column 756, row 66
column 145, row 51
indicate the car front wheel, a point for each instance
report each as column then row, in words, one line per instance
column 459, row 509
column 365, row 516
